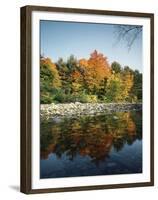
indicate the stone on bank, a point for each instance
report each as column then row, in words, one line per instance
column 78, row 109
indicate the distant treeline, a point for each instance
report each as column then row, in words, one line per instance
column 88, row 80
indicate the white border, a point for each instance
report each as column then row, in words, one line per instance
column 38, row 183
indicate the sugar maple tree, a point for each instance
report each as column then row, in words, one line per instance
column 95, row 70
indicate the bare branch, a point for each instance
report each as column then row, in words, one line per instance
column 128, row 33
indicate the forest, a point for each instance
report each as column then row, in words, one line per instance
column 91, row 80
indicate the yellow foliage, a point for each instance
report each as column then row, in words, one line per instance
column 56, row 78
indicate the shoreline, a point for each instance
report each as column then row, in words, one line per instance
column 77, row 109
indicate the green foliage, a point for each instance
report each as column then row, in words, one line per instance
column 114, row 89
column 46, row 78
column 116, row 67
column 49, row 80
column 137, row 86
column 60, row 97
column 46, row 98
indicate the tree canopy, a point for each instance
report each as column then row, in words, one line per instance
column 88, row 80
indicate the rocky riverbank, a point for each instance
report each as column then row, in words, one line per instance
column 78, row 109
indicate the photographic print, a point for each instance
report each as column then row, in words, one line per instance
column 90, row 98
column 86, row 99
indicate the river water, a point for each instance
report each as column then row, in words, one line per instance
column 91, row 145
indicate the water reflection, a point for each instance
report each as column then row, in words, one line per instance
column 92, row 143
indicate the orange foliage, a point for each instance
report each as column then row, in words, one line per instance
column 96, row 69
column 99, row 65
column 76, row 75
column 131, row 127
column 83, row 63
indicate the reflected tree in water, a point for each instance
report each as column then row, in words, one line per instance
column 90, row 136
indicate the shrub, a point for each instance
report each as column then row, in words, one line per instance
column 60, row 97
column 46, row 98
column 132, row 98
column 91, row 99
column 85, row 98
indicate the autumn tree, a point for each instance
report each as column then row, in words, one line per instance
column 119, row 86
column 49, row 79
column 84, row 71
column 48, row 63
column 114, row 89
column 77, row 81
column 75, row 77
column 96, row 69
column 128, row 81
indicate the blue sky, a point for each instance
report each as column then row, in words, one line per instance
column 62, row 39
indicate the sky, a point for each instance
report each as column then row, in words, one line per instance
column 62, row 39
